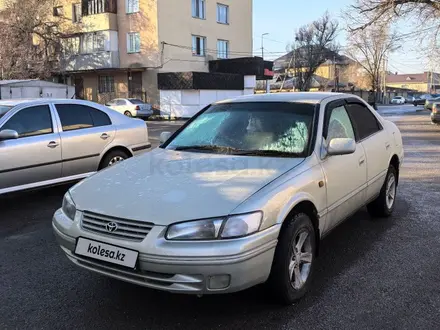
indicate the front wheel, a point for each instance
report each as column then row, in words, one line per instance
column 294, row 260
column 383, row 206
column 128, row 114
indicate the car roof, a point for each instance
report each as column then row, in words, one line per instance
column 301, row 97
column 14, row 102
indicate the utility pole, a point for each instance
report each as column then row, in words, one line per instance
column 262, row 55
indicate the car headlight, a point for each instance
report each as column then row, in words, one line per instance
column 69, row 207
column 217, row 228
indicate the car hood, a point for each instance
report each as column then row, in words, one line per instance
column 166, row 186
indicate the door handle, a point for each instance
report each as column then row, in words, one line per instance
column 104, row 136
column 361, row 161
column 387, row 145
column 53, row 144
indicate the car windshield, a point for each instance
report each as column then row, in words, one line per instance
column 263, row 128
column 4, row 109
column 136, row 101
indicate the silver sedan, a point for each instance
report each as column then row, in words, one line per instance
column 240, row 195
column 46, row 142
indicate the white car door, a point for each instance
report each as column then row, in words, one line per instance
column 36, row 155
column 376, row 142
column 345, row 174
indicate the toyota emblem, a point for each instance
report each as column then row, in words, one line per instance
column 112, row 227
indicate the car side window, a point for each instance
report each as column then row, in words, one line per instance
column 77, row 116
column 99, row 117
column 364, row 122
column 31, row 121
column 74, row 116
column 339, row 125
column 120, row 102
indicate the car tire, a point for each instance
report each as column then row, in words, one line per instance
column 112, row 158
column 128, row 113
column 289, row 280
column 383, row 206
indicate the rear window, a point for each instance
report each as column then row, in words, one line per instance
column 4, row 109
column 136, row 101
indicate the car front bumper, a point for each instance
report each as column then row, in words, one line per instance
column 180, row 267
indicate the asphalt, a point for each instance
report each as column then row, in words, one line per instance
column 371, row 274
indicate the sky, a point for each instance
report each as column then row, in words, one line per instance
column 281, row 18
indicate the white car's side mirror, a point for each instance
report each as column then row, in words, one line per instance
column 164, row 136
column 8, row 134
column 341, row 146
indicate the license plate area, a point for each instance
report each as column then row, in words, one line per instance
column 106, row 252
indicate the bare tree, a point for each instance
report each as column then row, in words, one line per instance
column 368, row 49
column 31, row 39
column 425, row 13
column 314, row 44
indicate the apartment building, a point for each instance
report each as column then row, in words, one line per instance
column 116, row 48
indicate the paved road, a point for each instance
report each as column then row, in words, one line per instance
column 371, row 274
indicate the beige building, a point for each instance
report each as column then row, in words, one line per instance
column 116, row 48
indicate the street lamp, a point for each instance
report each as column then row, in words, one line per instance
column 262, row 44
column 262, row 55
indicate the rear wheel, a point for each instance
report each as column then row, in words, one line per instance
column 294, row 259
column 112, row 158
column 383, row 206
column 128, row 113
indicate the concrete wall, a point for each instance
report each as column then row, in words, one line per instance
column 34, row 92
column 186, row 103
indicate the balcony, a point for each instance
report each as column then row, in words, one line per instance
column 99, row 22
column 94, row 61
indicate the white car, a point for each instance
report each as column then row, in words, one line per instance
column 398, row 100
column 242, row 194
column 131, row 107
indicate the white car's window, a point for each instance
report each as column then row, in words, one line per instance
column 364, row 122
column 339, row 125
column 31, row 121
column 121, row 102
column 264, row 128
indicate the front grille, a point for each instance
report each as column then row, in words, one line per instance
column 125, row 229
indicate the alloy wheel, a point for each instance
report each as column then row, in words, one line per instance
column 301, row 260
column 115, row 160
column 391, row 191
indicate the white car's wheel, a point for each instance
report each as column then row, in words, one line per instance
column 294, row 259
column 383, row 206
column 128, row 114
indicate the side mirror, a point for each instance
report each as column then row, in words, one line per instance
column 164, row 136
column 341, row 146
column 8, row 134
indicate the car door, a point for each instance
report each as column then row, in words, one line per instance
column 345, row 174
column 86, row 133
column 36, row 155
column 376, row 142
column 120, row 105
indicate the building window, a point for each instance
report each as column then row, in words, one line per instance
column 198, row 8
column 222, row 48
column 132, row 6
column 198, row 45
column 106, row 84
column 222, row 13
column 58, row 11
column 92, row 42
column 133, row 42
column 76, row 13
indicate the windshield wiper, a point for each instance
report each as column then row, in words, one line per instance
column 208, row 148
column 274, row 153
